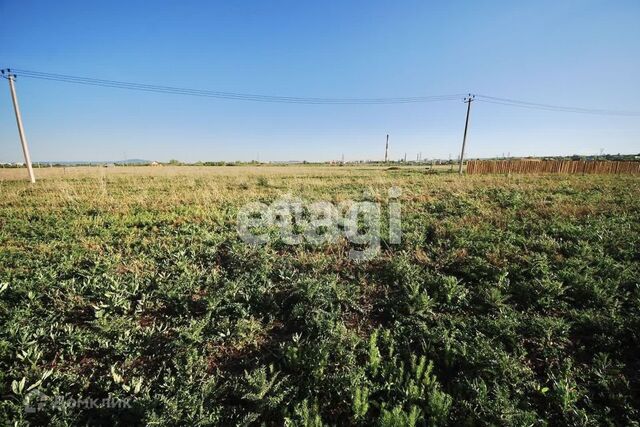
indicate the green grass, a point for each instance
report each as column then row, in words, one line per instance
column 511, row 301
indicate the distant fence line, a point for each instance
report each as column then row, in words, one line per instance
column 552, row 166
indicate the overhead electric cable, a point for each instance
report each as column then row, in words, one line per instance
column 550, row 107
column 228, row 95
column 310, row 100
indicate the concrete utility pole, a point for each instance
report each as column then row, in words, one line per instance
column 23, row 139
column 386, row 150
column 467, row 100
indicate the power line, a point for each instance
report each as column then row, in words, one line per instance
column 227, row 95
column 549, row 107
column 65, row 78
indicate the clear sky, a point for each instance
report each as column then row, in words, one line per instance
column 579, row 53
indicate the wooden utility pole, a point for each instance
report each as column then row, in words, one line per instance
column 23, row 139
column 467, row 100
column 386, row 150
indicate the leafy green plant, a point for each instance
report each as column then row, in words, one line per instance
column 509, row 301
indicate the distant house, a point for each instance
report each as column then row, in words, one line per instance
column 155, row 164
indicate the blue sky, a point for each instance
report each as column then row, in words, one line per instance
column 579, row 53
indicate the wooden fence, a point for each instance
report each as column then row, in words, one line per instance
column 551, row 166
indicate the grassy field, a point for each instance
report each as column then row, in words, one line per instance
column 510, row 301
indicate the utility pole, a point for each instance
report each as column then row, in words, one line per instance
column 467, row 100
column 386, row 150
column 23, row 139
